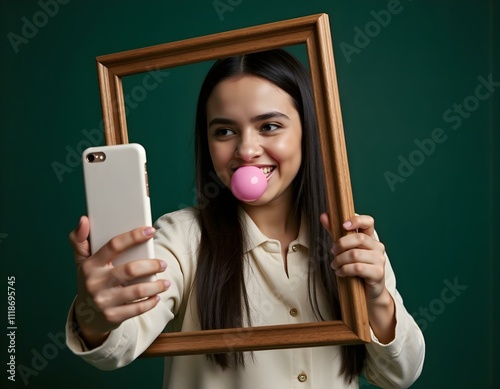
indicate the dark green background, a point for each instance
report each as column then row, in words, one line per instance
column 441, row 224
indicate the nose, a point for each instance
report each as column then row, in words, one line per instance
column 249, row 147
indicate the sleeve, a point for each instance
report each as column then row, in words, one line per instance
column 134, row 335
column 399, row 363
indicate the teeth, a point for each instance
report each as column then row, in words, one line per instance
column 266, row 170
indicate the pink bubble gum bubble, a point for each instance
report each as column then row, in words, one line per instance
column 248, row 183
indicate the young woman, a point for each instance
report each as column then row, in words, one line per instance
column 230, row 263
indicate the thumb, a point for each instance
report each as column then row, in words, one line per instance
column 79, row 240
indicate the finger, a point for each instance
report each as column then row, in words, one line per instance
column 357, row 240
column 119, row 314
column 122, row 242
column 137, row 269
column 362, row 223
column 79, row 240
column 133, row 293
column 372, row 274
column 358, row 256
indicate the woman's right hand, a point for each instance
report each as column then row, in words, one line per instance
column 103, row 302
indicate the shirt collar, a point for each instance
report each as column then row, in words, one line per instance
column 255, row 237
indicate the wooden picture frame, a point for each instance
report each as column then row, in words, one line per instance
column 314, row 32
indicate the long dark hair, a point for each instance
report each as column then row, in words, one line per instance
column 219, row 284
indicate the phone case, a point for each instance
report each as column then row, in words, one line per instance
column 117, row 194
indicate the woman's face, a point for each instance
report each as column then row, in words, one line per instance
column 252, row 122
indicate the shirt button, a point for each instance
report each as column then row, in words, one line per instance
column 302, row 377
column 294, row 312
column 294, row 248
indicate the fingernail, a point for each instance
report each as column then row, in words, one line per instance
column 347, row 224
column 80, row 222
column 158, row 298
column 163, row 265
column 333, row 249
column 167, row 283
column 149, row 231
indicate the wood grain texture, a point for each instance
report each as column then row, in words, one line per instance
column 335, row 162
column 253, row 338
column 314, row 31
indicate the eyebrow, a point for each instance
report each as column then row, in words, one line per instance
column 258, row 118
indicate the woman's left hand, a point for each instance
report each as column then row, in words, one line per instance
column 360, row 254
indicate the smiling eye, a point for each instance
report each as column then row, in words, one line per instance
column 224, row 132
column 269, row 127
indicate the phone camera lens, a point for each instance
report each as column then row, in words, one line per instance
column 90, row 157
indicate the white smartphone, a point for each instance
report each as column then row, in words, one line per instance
column 117, row 194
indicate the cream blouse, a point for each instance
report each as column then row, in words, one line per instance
column 275, row 298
